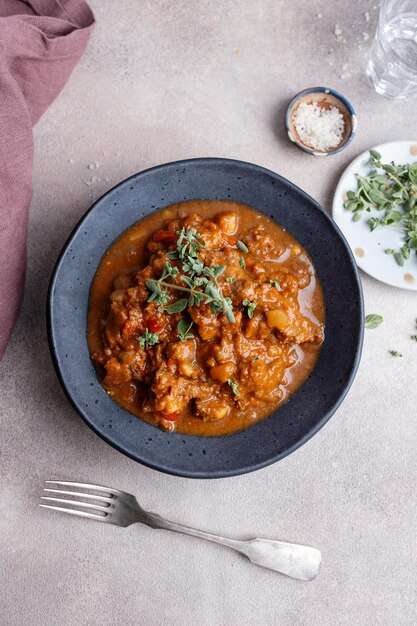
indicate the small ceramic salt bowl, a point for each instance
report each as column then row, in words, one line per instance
column 327, row 99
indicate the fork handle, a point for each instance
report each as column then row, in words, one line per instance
column 296, row 561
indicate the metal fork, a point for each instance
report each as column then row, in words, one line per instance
column 122, row 509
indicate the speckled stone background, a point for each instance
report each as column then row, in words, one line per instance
column 161, row 81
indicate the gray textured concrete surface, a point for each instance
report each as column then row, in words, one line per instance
column 162, row 81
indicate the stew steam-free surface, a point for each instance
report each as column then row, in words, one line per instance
column 204, row 317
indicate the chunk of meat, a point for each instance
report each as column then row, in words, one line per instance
column 294, row 326
column 252, row 326
column 171, row 395
column 264, row 379
column 263, row 245
column 205, row 320
column 212, row 409
column 134, row 322
column 184, row 354
column 211, row 235
column 116, row 373
column 224, row 351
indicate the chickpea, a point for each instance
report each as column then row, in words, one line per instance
column 223, row 371
column 219, row 412
column 121, row 282
column 117, row 295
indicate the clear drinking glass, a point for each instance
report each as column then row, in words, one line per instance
column 392, row 67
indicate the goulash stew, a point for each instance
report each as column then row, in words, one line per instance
column 204, row 317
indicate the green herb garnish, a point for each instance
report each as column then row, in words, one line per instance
column 200, row 281
column 234, row 386
column 255, row 359
column 242, row 246
column 395, row 353
column 188, row 243
column 183, row 330
column 242, row 262
column 178, row 306
column 251, row 306
column 373, row 321
column 148, row 339
column 392, row 190
column 230, row 279
column 276, row 284
column 211, row 294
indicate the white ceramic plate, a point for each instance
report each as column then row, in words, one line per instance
column 368, row 247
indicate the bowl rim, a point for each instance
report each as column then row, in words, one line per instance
column 332, row 92
column 220, row 473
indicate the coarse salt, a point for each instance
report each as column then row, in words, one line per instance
column 318, row 127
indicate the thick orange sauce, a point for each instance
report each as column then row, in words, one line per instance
column 130, row 254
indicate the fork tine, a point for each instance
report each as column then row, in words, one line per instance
column 66, row 483
column 98, row 518
column 80, row 494
column 87, row 505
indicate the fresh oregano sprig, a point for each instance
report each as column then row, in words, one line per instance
column 148, row 339
column 250, row 307
column 390, row 189
column 242, row 246
column 234, row 386
column 183, row 330
column 276, row 284
column 200, row 281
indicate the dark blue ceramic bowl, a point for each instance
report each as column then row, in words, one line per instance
column 306, row 411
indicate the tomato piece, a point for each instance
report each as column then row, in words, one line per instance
column 165, row 236
column 231, row 240
column 171, row 417
column 154, row 326
column 171, row 362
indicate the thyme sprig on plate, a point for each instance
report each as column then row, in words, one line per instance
column 198, row 280
column 392, row 190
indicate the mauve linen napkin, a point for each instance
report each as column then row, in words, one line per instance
column 40, row 43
